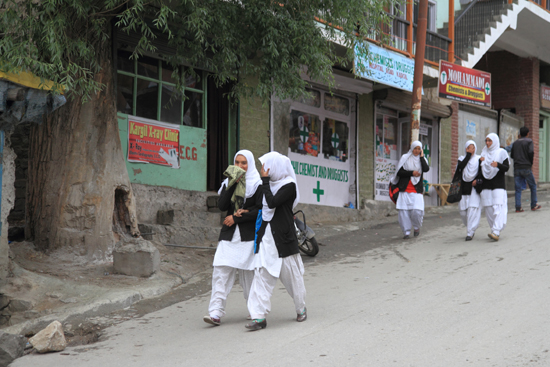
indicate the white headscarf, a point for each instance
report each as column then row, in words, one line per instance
column 410, row 162
column 280, row 173
column 493, row 154
column 253, row 179
column 470, row 171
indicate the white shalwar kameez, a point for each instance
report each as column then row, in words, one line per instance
column 410, row 209
column 268, row 266
column 410, row 205
column 231, row 257
column 235, row 255
column 470, row 205
column 495, row 202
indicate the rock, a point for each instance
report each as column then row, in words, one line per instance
column 50, row 339
column 53, row 295
column 136, row 257
column 165, row 217
column 19, row 305
column 11, row 347
column 4, row 301
column 69, row 300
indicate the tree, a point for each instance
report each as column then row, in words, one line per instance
column 76, row 161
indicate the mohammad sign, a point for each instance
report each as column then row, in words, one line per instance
column 464, row 84
column 545, row 96
column 154, row 142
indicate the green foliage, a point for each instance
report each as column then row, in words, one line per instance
column 64, row 40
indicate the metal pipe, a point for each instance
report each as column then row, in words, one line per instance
column 410, row 28
column 185, row 246
column 465, row 11
column 419, row 69
column 451, row 33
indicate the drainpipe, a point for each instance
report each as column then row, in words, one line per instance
column 419, row 68
column 451, row 33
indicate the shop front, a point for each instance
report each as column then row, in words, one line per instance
column 544, row 134
column 392, row 140
column 321, row 147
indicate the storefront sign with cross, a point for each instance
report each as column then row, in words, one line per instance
column 335, row 140
column 318, row 191
column 304, row 134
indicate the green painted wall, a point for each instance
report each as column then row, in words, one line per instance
column 190, row 176
column 365, row 149
column 445, row 173
column 442, row 10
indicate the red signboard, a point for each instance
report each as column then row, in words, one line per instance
column 545, row 96
column 153, row 142
column 464, row 84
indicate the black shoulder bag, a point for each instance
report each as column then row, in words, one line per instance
column 455, row 192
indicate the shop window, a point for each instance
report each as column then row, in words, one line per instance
column 386, row 137
column 335, row 140
column 304, row 133
column 314, row 100
column 147, row 88
column 336, row 104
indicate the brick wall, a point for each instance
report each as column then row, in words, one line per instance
column 365, row 150
column 515, row 85
column 449, row 145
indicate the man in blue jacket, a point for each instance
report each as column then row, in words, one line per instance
column 523, row 153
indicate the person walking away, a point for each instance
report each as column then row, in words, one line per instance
column 470, row 204
column 522, row 153
column 277, row 254
column 409, row 181
column 494, row 164
column 241, row 196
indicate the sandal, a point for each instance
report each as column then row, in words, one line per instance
column 536, row 208
column 520, row 210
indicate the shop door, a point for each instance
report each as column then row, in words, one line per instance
column 217, row 133
column 429, row 138
column 544, row 159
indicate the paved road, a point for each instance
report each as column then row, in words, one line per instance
column 373, row 300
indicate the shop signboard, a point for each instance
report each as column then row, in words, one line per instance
column 545, row 96
column 386, row 67
column 152, row 141
column 464, row 84
column 321, row 181
column 384, row 171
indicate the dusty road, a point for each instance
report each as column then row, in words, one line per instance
column 373, row 300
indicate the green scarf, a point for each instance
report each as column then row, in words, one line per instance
column 233, row 173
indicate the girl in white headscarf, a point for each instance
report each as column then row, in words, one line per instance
column 235, row 251
column 494, row 164
column 277, row 254
column 409, row 180
column 469, row 205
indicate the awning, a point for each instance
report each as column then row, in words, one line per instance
column 26, row 98
column 400, row 100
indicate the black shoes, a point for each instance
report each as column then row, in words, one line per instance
column 256, row 325
column 468, row 238
column 416, row 232
column 302, row 316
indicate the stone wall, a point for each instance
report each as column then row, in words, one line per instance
column 20, row 144
column 365, row 148
column 8, row 200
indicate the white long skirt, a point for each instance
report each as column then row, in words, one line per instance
column 235, row 253
column 495, row 203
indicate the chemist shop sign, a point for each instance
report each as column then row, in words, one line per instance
column 386, row 67
column 321, row 181
column 464, row 84
column 154, row 142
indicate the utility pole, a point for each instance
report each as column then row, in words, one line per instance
column 418, row 68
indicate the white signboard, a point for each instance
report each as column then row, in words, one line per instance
column 470, row 128
column 387, row 67
column 321, row 181
column 384, row 171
